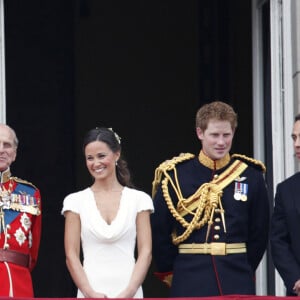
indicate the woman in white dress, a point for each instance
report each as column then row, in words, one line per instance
column 109, row 218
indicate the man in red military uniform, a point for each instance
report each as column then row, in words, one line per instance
column 20, row 223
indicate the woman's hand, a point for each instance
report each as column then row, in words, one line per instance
column 126, row 294
column 96, row 295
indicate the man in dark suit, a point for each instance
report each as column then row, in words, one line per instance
column 285, row 225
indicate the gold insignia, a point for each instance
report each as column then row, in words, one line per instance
column 214, row 164
column 168, row 165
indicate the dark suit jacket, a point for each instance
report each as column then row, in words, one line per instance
column 285, row 231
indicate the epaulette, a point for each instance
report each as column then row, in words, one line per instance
column 249, row 160
column 168, row 165
column 19, row 180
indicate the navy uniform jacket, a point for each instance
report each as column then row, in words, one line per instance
column 285, row 234
column 196, row 275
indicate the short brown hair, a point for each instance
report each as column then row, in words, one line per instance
column 297, row 118
column 215, row 110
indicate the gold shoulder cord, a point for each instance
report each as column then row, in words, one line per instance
column 204, row 201
column 251, row 160
column 168, row 165
column 23, row 181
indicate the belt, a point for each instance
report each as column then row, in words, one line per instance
column 213, row 248
column 14, row 257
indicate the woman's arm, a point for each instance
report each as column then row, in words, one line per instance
column 72, row 250
column 144, row 247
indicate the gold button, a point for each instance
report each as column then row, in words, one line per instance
column 216, row 176
column 217, row 227
column 218, row 220
column 216, row 236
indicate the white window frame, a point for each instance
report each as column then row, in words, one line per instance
column 282, row 103
column 258, row 117
column 282, row 100
column 2, row 66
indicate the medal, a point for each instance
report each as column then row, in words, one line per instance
column 240, row 191
column 244, row 197
column 5, row 195
column 244, row 187
column 237, row 191
column 237, row 196
column 5, row 199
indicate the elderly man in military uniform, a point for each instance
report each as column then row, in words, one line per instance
column 211, row 219
column 20, row 223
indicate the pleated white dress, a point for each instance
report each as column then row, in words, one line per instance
column 108, row 250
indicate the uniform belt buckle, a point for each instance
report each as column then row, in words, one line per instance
column 218, row 248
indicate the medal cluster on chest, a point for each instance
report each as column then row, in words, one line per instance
column 18, row 201
column 12, row 200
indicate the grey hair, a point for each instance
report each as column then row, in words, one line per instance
column 15, row 138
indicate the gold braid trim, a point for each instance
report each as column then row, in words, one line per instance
column 213, row 164
column 205, row 200
column 168, row 165
column 251, row 160
column 209, row 196
column 202, row 203
column 23, row 181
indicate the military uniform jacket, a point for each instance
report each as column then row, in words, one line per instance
column 285, row 243
column 20, row 230
column 196, row 275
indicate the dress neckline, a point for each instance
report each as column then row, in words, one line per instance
column 98, row 211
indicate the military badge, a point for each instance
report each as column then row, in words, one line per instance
column 25, row 221
column 20, row 236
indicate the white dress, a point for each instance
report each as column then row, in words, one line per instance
column 108, row 250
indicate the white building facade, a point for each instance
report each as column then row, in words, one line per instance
column 282, row 86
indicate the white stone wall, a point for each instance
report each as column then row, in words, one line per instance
column 295, row 22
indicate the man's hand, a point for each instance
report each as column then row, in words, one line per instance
column 296, row 287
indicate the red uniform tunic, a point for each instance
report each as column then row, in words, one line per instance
column 20, row 230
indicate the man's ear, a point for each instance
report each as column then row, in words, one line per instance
column 199, row 133
column 15, row 155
